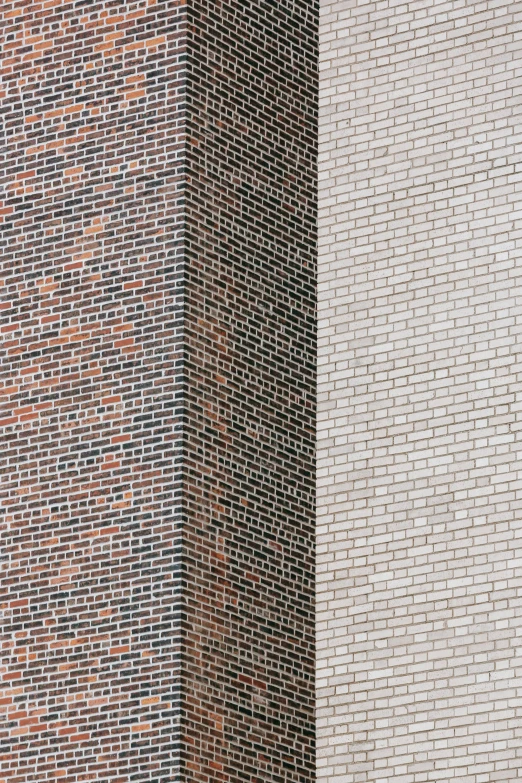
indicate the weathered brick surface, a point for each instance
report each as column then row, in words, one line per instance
column 250, row 405
column 420, row 506
column 90, row 242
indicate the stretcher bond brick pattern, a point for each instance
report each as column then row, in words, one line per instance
column 157, row 325
column 250, row 336
column 91, row 250
column 420, row 392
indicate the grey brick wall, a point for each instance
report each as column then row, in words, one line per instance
column 420, row 393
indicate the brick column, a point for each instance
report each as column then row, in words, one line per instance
column 157, row 230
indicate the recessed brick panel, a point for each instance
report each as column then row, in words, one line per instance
column 420, row 388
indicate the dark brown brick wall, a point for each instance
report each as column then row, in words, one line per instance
column 157, row 385
column 91, row 250
column 250, row 396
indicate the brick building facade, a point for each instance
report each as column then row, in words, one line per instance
column 158, row 197
column 158, row 192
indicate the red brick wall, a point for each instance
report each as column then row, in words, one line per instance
column 157, row 380
column 248, row 694
column 90, row 237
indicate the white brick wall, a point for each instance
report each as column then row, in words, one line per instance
column 420, row 388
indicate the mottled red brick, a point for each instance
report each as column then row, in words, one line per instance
column 86, row 230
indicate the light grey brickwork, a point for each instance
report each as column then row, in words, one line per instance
column 419, row 571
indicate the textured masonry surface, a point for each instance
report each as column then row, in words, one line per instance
column 90, row 242
column 420, row 392
column 157, row 390
column 250, row 403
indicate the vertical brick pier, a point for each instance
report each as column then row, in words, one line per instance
column 157, row 327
